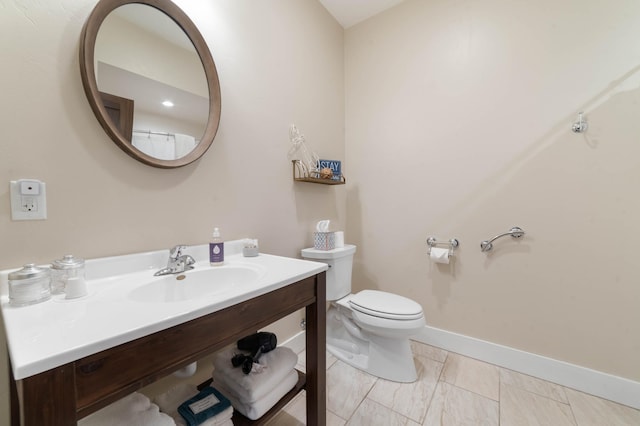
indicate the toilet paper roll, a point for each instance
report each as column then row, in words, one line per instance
column 187, row 371
column 439, row 255
column 339, row 238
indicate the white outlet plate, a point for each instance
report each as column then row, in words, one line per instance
column 28, row 199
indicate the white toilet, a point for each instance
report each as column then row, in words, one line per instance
column 369, row 330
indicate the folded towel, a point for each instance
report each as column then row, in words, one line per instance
column 275, row 364
column 132, row 410
column 205, row 405
column 258, row 408
column 171, row 399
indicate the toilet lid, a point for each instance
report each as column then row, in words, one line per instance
column 385, row 305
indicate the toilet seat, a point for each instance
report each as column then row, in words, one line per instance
column 385, row 305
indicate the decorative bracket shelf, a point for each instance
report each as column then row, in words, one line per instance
column 299, row 175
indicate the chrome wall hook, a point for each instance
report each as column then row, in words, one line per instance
column 581, row 125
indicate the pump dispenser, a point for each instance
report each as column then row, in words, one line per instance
column 216, row 249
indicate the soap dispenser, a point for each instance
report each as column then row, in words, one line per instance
column 216, row 249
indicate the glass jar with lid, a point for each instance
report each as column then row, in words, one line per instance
column 63, row 269
column 29, row 285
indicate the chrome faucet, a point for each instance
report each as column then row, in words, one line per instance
column 177, row 262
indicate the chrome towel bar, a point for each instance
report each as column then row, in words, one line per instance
column 515, row 232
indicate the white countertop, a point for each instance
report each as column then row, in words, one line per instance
column 59, row 331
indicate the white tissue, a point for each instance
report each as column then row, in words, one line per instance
column 439, row 255
column 323, row 226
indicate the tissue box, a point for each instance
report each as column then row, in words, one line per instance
column 324, row 240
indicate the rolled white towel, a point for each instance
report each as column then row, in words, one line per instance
column 275, row 364
column 171, row 400
column 132, row 410
column 257, row 409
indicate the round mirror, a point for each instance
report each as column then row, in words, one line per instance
column 150, row 80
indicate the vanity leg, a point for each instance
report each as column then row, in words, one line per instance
column 316, row 336
column 49, row 398
column 14, row 408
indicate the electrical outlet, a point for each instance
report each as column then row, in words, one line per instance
column 29, row 204
column 28, row 200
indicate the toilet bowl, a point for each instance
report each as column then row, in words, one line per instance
column 369, row 330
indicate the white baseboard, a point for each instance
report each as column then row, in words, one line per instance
column 607, row 386
column 603, row 385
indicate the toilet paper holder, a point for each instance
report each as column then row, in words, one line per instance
column 452, row 243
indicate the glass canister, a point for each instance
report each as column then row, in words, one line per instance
column 63, row 269
column 29, row 285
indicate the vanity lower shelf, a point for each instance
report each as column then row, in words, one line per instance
column 240, row 420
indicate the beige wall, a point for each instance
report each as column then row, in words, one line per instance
column 458, row 125
column 279, row 62
column 458, row 118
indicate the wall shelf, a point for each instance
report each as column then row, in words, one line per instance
column 299, row 175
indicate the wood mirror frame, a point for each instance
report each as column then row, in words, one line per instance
column 87, row 72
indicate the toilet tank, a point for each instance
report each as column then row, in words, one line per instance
column 340, row 261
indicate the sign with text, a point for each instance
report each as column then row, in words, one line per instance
column 334, row 165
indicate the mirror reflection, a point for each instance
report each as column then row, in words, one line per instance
column 151, row 81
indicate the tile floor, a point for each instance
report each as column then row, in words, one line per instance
column 454, row 390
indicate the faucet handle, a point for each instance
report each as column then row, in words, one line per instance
column 176, row 251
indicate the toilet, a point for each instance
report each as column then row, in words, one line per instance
column 369, row 330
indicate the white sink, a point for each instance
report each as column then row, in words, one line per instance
column 126, row 302
column 196, row 283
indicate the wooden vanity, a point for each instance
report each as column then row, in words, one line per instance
column 63, row 395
